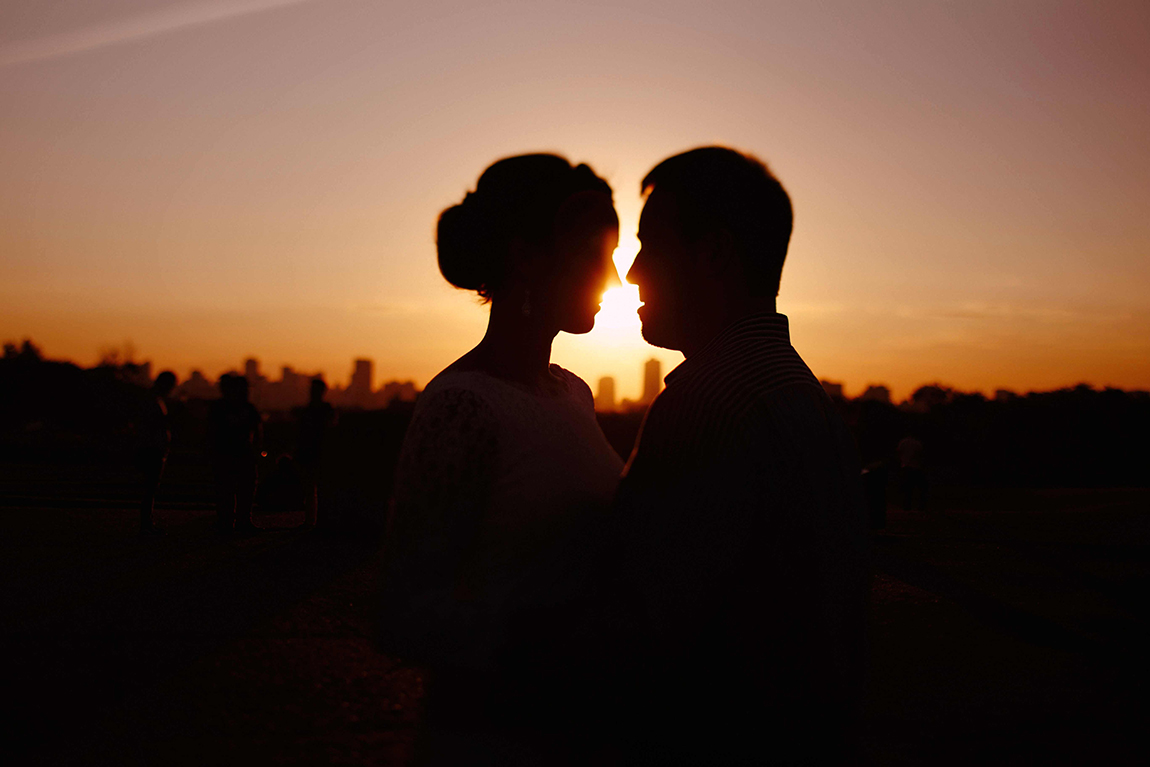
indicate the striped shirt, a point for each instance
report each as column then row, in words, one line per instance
column 744, row 547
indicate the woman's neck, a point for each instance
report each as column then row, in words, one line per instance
column 515, row 347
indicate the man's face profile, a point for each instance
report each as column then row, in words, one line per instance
column 661, row 271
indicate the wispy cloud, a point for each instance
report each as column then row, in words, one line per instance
column 986, row 311
column 133, row 28
column 1002, row 312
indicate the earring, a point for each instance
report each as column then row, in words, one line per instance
column 527, row 303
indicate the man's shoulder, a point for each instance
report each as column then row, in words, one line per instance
column 739, row 386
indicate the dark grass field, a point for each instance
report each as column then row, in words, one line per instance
column 1009, row 627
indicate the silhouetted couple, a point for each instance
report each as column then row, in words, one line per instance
column 703, row 604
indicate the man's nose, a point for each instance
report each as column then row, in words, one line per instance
column 633, row 273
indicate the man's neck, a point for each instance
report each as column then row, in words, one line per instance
column 704, row 329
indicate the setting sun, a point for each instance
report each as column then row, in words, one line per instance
column 615, row 347
column 617, row 310
column 617, row 318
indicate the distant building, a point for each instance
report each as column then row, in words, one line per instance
column 605, row 400
column 197, row 387
column 1004, row 395
column 652, row 380
column 876, row 394
column 395, row 391
column 257, row 384
column 833, row 390
column 358, row 392
column 292, row 390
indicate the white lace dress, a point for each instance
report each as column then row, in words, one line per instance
column 493, row 482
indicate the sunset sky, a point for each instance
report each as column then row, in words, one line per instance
column 215, row 180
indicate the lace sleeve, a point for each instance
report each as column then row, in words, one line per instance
column 442, row 487
column 578, row 387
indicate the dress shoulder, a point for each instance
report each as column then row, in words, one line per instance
column 442, row 490
column 577, row 386
column 451, row 420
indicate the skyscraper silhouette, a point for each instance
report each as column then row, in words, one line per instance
column 257, row 384
column 359, row 389
column 652, row 380
column 605, row 401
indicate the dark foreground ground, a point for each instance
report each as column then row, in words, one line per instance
column 1009, row 627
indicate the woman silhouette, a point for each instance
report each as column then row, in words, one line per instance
column 504, row 460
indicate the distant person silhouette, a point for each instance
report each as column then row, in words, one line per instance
column 236, row 434
column 154, row 433
column 912, row 472
column 314, row 420
column 504, row 458
column 740, row 532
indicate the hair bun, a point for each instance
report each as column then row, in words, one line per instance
column 515, row 197
column 466, row 259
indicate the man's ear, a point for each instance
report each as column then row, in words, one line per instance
column 717, row 253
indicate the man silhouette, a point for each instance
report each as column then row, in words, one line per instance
column 155, row 441
column 740, row 525
column 314, row 420
column 912, row 471
column 236, row 435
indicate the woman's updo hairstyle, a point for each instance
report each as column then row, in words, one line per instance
column 515, row 197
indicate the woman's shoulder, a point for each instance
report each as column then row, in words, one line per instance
column 453, row 385
column 452, row 417
column 576, row 385
column 454, row 389
column 493, row 394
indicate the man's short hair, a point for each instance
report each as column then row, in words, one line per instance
column 716, row 188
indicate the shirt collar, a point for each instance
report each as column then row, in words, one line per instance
column 766, row 326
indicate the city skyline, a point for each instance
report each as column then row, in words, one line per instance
column 291, row 389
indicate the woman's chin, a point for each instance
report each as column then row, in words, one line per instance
column 580, row 326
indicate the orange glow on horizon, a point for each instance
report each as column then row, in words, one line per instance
column 968, row 188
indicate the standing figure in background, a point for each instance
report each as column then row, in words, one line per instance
column 236, row 436
column 912, row 471
column 314, row 420
column 154, row 435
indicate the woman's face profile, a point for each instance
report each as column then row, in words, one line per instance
column 586, row 235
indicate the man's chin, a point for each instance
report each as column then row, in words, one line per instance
column 657, row 335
